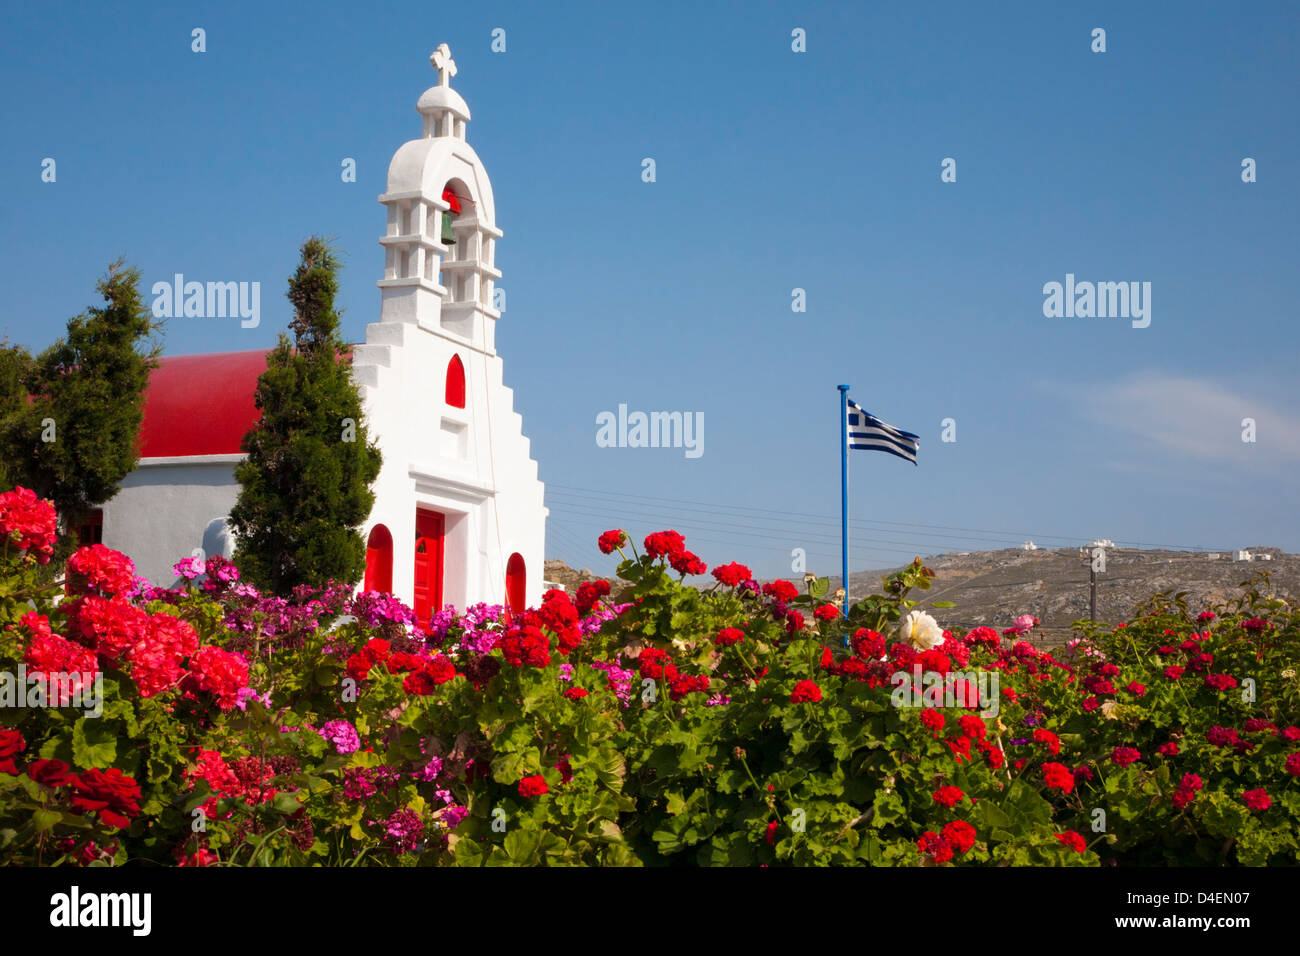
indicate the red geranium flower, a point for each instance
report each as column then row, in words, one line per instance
column 933, row 719
column 526, row 646
column 29, row 522
column 960, row 747
column 611, row 540
column 533, row 786
column 437, row 670
column 948, row 796
column 221, row 673
column 589, row 592
column 97, row 568
column 1293, row 764
column 935, row 845
column 732, row 574
column 805, row 690
column 1257, row 799
column 728, row 636
column 1058, row 777
column 827, row 612
column 1123, row 756
column 565, row 768
column 401, row 662
column 685, row 563
column 663, row 543
column 868, row 644
column 654, row 663
column 679, row 687
column 960, row 835
column 575, row 693
column 1044, row 736
column 781, row 590
column 1073, row 841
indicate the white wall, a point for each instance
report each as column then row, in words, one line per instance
column 163, row 512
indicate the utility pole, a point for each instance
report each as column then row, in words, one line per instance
column 1092, row 591
column 1088, row 558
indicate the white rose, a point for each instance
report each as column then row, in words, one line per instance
column 920, row 630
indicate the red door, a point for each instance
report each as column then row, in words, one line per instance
column 428, row 563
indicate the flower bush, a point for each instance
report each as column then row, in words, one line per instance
column 736, row 724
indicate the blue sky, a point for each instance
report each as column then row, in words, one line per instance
column 775, row 170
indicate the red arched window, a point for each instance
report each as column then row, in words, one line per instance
column 516, row 582
column 379, row 560
column 455, row 383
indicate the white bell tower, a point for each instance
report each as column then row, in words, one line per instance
column 459, row 515
column 444, row 287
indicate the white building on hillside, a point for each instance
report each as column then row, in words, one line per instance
column 458, row 514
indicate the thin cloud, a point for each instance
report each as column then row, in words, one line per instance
column 1196, row 418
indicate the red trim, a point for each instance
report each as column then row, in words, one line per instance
column 379, row 560
column 516, row 582
column 455, row 383
column 429, row 530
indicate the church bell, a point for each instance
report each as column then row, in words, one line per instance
column 450, row 198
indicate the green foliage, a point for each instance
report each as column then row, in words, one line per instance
column 305, row 485
column 90, row 384
column 649, row 768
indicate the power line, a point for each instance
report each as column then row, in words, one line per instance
column 784, row 535
column 834, row 521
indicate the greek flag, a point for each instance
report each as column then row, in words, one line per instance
column 869, row 432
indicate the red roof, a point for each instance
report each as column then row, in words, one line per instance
column 200, row 404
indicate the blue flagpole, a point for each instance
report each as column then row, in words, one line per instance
column 844, row 495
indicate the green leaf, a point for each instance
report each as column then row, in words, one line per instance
column 94, row 743
column 819, row 588
column 943, row 604
column 286, row 803
column 44, row 819
column 521, row 845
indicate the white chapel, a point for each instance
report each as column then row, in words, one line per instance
column 459, row 515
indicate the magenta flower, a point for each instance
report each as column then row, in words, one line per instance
column 342, row 735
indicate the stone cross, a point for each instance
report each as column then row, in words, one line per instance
column 444, row 64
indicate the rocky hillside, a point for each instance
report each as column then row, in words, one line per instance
column 993, row 587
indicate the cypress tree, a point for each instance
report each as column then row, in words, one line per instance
column 305, row 485
column 70, row 417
